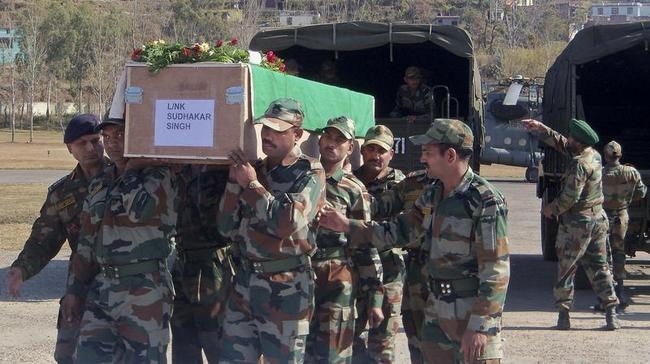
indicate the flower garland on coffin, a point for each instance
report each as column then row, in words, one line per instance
column 159, row 54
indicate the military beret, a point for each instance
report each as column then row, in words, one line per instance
column 80, row 125
column 447, row 131
column 614, row 149
column 582, row 132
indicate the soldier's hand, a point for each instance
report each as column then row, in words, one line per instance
column 71, row 309
column 472, row 345
column 14, row 281
column 533, row 125
column 375, row 317
column 241, row 170
column 548, row 213
column 333, row 219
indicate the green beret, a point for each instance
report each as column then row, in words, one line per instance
column 582, row 132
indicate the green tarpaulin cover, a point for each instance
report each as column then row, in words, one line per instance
column 319, row 101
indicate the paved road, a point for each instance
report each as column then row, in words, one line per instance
column 30, row 176
column 29, row 334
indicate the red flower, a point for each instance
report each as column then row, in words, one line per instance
column 219, row 43
column 270, row 57
column 233, row 41
column 186, row 52
column 282, row 67
column 196, row 48
column 135, row 55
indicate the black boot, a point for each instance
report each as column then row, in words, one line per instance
column 563, row 320
column 611, row 321
column 623, row 302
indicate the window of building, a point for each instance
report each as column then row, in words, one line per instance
column 600, row 11
column 630, row 11
column 614, row 11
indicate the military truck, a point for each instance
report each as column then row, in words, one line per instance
column 602, row 76
column 372, row 57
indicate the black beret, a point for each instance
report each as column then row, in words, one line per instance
column 80, row 125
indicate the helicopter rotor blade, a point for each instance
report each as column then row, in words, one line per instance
column 512, row 95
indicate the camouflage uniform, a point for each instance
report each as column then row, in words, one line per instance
column 202, row 275
column 125, row 238
column 271, row 303
column 407, row 103
column 416, row 290
column 341, row 274
column 381, row 340
column 58, row 222
column 468, row 263
column 582, row 231
column 621, row 185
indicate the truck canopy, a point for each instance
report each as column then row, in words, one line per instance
column 603, row 77
column 371, row 58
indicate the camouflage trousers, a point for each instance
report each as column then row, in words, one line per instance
column 381, row 340
column 583, row 239
column 444, row 325
column 268, row 314
column 66, row 340
column 201, row 286
column 414, row 301
column 618, row 224
column 126, row 319
column 332, row 326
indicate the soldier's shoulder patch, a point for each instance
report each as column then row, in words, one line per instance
column 58, row 184
column 66, row 202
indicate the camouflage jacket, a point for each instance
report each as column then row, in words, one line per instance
column 200, row 269
column 621, row 185
column 200, row 190
column 125, row 219
column 348, row 195
column 466, row 235
column 400, row 198
column 379, row 185
column 582, row 187
column 58, row 222
column 275, row 221
column 412, row 104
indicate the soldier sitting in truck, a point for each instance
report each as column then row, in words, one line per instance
column 414, row 98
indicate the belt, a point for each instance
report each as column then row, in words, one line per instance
column 587, row 210
column 330, row 253
column 275, row 266
column 202, row 254
column 454, row 288
column 124, row 270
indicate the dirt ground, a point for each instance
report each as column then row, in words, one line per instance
column 29, row 324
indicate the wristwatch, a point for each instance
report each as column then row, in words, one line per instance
column 254, row 184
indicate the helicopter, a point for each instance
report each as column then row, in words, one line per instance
column 507, row 142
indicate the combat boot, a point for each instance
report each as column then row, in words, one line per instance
column 563, row 320
column 623, row 302
column 611, row 320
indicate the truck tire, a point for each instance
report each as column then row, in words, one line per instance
column 532, row 174
column 549, row 234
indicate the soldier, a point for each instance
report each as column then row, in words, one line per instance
column 416, row 291
column 582, row 231
column 378, row 176
column 127, row 222
column 464, row 222
column 341, row 272
column 59, row 220
column 202, row 275
column 413, row 98
column 268, row 209
column 622, row 185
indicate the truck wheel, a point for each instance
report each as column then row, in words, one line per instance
column 549, row 234
column 532, row 174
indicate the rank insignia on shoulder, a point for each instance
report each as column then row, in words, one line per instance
column 64, row 203
column 96, row 188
